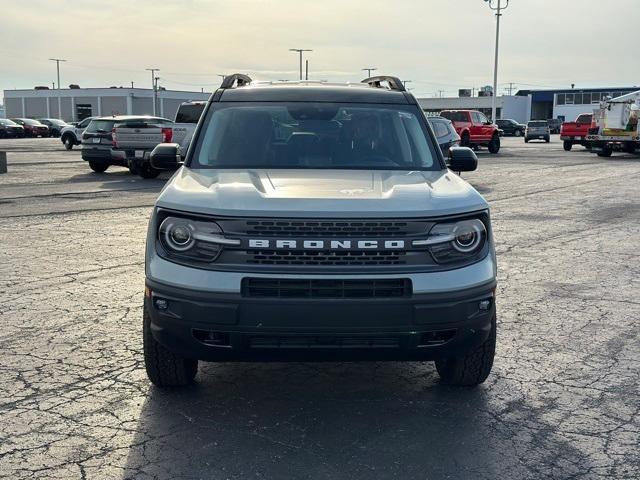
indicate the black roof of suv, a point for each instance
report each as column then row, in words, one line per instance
column 369, row 90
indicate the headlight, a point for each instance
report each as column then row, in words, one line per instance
column 456, row 241
column 189, row 239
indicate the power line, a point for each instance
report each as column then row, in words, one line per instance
column 154, row 86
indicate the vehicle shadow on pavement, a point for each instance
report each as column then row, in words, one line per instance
column 331, row 420
column 120, row 179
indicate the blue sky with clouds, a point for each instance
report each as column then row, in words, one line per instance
column 439, row 45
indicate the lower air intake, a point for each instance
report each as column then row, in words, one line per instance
column 301, row 288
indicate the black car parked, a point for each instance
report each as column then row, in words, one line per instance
column 55, row 125
column 511, row 127
column 554, row 125
column 445, row 133
column 9, row 128
column 96, row 143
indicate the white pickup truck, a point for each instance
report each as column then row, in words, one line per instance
column 133, row 142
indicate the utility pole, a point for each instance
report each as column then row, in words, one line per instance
column 153, row 86
column 440, row 92
column 222, row 76
column 369, row 70
column 300, row 51
column 131, row 84
column 155, row 96
column 58, row 60
column 511, row 88
column 404, row 82
column 306, row 72
column 498, row 8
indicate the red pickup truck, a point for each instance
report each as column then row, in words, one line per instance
column 474, row 129
column 572, row 133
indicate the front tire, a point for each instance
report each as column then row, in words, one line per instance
column 547, row 139
column 164, row 367
column 68, row 142
column 567, row 145
column 474, row 367
column 518, row 133
column 465, row 140
column 147, row 171
column 494, row 144
column 606, row 152
column 98, row 167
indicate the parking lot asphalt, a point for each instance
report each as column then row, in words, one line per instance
column 562, row 402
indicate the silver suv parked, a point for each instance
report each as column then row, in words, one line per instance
column 313, row 221
column 537, row 130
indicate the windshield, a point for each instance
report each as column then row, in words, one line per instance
column 34, row 123
column 315, row 135
column 55, row 121
column 6, row 121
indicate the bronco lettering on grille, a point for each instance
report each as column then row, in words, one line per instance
column 282, row 244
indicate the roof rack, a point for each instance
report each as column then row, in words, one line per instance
column 235, row 80
column 394, row 83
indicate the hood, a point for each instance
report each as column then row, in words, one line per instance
column 326, row 193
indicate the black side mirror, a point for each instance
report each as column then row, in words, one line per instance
column 166, row 157
column 462, row 159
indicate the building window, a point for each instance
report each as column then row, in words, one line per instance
column 568, row 98
column 560, row 99
column 83, row 110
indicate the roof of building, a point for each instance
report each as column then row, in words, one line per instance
column 573, row 90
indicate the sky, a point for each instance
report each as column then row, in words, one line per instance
column 440, row 46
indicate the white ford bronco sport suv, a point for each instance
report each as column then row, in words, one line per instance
column 312, row 222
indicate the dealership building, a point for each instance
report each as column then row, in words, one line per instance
column 525, row 105
column 507, row 106
column 74, row 104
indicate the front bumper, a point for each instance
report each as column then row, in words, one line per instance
column 232, row 327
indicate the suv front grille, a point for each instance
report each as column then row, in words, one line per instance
column 328, row 228
column 320, row 288
column 323, row 257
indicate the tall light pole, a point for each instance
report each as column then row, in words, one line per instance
column 497, row 8
column 153, row 86
column 404, row 82
column 369, row 70
column 300, row 51
column 58, row 60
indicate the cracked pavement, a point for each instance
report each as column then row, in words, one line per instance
column 562, row 401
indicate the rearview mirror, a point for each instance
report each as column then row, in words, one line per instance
column 462, row 159
column 166, row 156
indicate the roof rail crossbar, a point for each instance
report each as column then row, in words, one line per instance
column 394, row 82
column 235, row 80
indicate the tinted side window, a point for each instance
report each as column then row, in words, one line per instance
column 189, row 113
column 475, row 117
column 84, row 123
